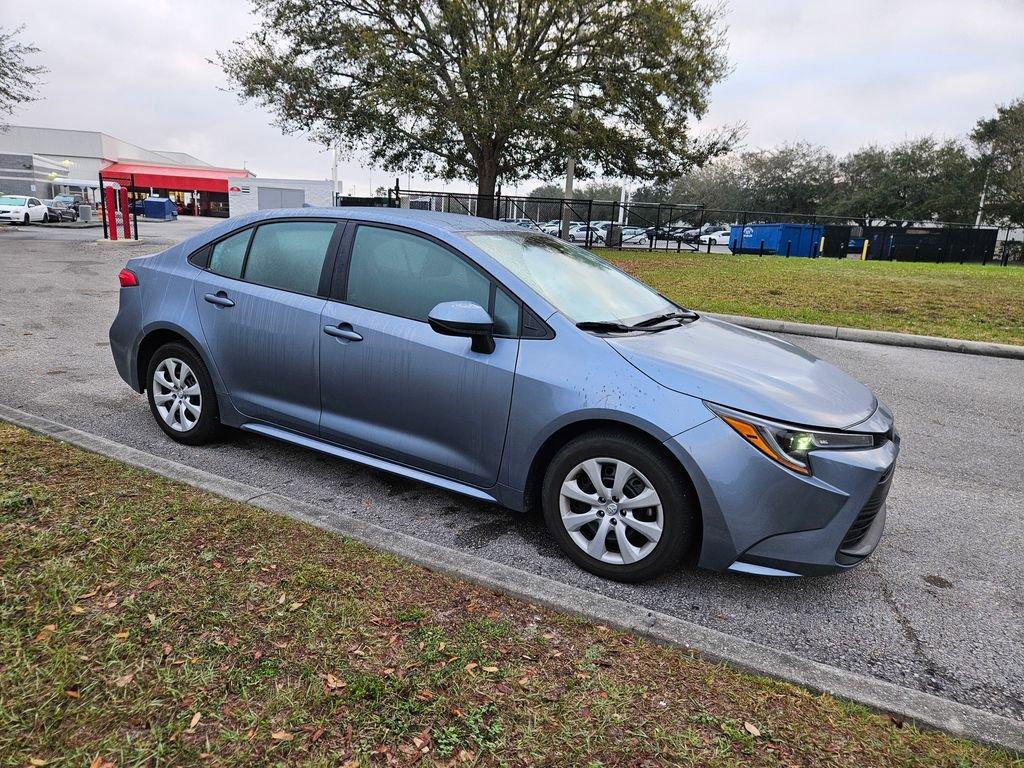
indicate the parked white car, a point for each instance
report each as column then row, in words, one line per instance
column 22, row 209
column 718, row 237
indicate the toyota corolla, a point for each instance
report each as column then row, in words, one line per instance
column 509, row 366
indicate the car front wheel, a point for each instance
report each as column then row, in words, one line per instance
column 619, row 508
column 181, row 395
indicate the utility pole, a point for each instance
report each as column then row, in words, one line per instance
column 570, row 166
column 981, row 202
column 334, row 174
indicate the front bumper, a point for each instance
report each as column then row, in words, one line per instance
column 762, row 518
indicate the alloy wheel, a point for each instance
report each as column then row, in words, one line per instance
column 177, row 394
column 611, row 511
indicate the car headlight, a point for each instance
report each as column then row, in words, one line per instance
column 786, row 444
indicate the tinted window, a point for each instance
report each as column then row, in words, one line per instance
column 505, row 314
column 228, row 255
column 407, row 275
column 289, row 255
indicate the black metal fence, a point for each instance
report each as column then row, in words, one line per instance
column 695, row 227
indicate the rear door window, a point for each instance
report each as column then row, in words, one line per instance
column 228, row 255
column 289, row 255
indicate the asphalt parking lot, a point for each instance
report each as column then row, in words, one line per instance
column 938, row 608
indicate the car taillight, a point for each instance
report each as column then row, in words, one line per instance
column 127, row 278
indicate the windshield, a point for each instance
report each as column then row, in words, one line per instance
column 582, row 286
column 13, row 200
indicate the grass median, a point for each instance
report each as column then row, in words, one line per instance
column 952, row 300
column 146, row 622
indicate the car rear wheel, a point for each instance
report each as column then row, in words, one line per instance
column 181, row 395
column 27, row 220
column 619, row 508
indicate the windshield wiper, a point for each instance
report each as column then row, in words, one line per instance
column 610, row 326
column 685, row 314
column 605, row 326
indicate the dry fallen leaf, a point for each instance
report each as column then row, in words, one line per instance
column 295, row 606
column 71, row 693
column 45, row 632
column 121, row 635
column 194, row 721
column 37, row 761
column 122, row 681
column 281, row 736
column 490, row 669
column 752, row 729
column 471, row 666
column 333, row 682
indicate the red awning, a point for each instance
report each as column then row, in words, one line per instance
column 179, row 177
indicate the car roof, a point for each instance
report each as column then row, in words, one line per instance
column 430, row 222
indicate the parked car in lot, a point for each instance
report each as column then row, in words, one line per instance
column 22, row 209
column 56, row 211
column 514, row 368
column 633, row 235
column 693, row 235
column 719, row 236
column 582, row 233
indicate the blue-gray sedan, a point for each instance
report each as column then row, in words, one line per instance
column 512, row 367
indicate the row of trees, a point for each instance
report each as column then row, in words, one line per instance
column 916, row 180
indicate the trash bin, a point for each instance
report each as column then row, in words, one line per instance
column 84, row 212
column 160, row 208
column 614, row 237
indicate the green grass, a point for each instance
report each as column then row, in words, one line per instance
column 963, row 302
column 146, row 622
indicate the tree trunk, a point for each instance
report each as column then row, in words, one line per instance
column 487, row 182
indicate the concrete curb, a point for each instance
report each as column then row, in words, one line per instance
column 914, row 706
column 986, row 348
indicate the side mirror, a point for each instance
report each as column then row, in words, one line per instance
column 464, row 318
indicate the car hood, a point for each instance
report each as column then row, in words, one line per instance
column 749, row 371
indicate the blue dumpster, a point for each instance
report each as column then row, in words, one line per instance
column 779, row 239
column 160, row 208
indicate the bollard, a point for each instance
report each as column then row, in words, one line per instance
column 864, row 251
column 709, row 246
column 789, row 246
column 126, row 219
column 917, row 253
column 760, row 249
column 963, row 251
column 110, row 212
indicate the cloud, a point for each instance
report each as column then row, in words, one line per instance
column 839, row 74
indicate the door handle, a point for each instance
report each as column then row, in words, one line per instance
column 342, row 331
column 220, row 299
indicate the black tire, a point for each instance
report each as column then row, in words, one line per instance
column 27, row 221
column 207, row 427
column 680, row 530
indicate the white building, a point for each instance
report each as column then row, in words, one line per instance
column 252, row 194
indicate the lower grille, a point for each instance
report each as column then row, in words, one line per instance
column 867, row 513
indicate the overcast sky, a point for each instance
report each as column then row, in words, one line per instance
column 841, row 74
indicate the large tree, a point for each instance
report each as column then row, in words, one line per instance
column 1000, row 141
column 916, row 180
column 19, row 79
column 490, row 90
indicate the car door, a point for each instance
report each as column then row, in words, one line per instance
column 393, row 387
column 260, row 297
column 36, row 210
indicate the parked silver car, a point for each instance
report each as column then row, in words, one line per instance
column 514, row 368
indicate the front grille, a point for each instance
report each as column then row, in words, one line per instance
column 867, row 513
